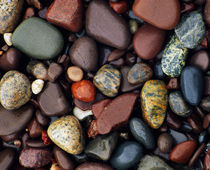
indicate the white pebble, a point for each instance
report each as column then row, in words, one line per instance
column 37, row 86
column 81, row 114
column 8, row 38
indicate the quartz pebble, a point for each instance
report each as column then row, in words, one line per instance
column 37, row 86
column 8, row 38
column 81, row 114
column 75, row 73
column 37, row 69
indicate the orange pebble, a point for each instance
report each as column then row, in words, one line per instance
column 119, row 7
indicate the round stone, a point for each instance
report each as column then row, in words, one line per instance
column 37, row 86
column 75, row 73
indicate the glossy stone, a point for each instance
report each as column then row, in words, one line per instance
column 99, row 106
column 191, row 29
column 66, row 132
column 178, row 104
column 38, row 39
column 154, row 100
column 15, row 90
column 7, row 157
column 107, row 80
column 158, row 72
column 142, row 133
column 192, row 84
column 127, row 155
column 165, row 142
column 174, row 56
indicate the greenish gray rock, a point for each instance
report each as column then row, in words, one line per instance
column 174, row 56
column 178, row 104
column 150, row 162
column 38, row 39
column 102, row 146
column 205, row 104
column 191, row 29
column 142, row 133
column 127, row 155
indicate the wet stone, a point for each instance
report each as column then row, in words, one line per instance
column 205, row 104
column 7, row 157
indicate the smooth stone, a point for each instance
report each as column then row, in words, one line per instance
column 41, row 119
column 10, row 13
column 15, row 90
column 7, row 157
column 154, row 100
column 94, row 166
column 162, row 14
column 34, row 129
column 173, row 121
column 33, row 143
column 84, row 53
column 81, row 114
column 98, row 107
column 139, row 73
column 82, row 105
column 66, row 132
column 207, row 85
column 191, row 29
column 192, row 85
column 52, row 100
column 178, row 104
column 178, row 136
column 158, row 72
column 127, row 155
column 112, row 30
column 142, row 133
column 205, row 104
column 165, row 142
column 207, row 12
column 148, row 41
column 102, row 146
column 38, row 39
column 107, row 80
column 150, row 162
column 174, row 56
column 37, row 69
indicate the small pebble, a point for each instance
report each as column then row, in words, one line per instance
column 80, row 114
column 165, row 142
column 37, row 86
column 37, row 69
column 8, row 38
column 54, row 71
column 75, row 73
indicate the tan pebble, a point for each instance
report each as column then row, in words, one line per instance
column 37, row 86
column 37, row 69
column 8, row 38
column 55, row 167
column 75, row 73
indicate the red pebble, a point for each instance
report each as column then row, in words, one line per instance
column 45, row 138
column 119, row 7
column 84, row 90
column 207, row 160
column 182, row 152
column 98, row 107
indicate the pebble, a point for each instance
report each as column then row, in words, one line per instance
column 107, row 80
column 133, row 26
column 35, row 129
column 15, row 90
column 142, row 133
column 148, row 41
column 34, row 143
column 82, row 105
column 174, row 56
column 154, row 101
column 119, row 7
column 10, row 13
column 178, row 104
column 99, row 106
column 30, row 12
column 84, row 54
column 207, row 85
column 178, row 136
column 102, row 146
column 201, row 60
column 158, row 72
column 75, row 73
column 192, row 85
column 115, row 32
column 63, row 159
column 81, row 114
column 37, row 69
column 173, row 84
column 191, row 29
column 54, row 71
column 66, row 132
column 182, row 152
column 38, row 39
column 165, row 142
column 115, row 54
column 7, row 157
column 127, row 155
column 41, row 119
column 149, row 162
column 205, row 104
column 34, row 158
column 139, row 73
column 37, row 86
column 206, row 121
column 166, row 16
column 93, row 166
column 207, row 11
column 84, row 90
column 67, row 14
column 8, row 38
column 118, row 63
column 196, row 123
column 207, row 160
column 52, row 100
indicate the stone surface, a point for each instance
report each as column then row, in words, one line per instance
column 7, row 157
column 207, row 12
column 93, row 166
column 165, row 142
column 205, row 104
column 98, row 107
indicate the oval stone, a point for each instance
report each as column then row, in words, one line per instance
column 66, row 133
column 142, row 133
column 38, row 39
column 107, row 80
column 178, row 104
column 15, row 90
column 154, row 100
column 191, row 29
column 192, row 84
column 174, row 56
column 139, row 73
column 127, row 155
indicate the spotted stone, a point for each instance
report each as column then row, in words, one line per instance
column 174, row 56
column 154, row 100
column 15, row 90
column 107, row 80
column 66, row 132
column 191, row 29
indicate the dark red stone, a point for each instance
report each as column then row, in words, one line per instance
column 98, row 107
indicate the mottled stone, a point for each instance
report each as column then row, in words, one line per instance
column 174, row 56
column 15, row 90
column 154, row 100
column 66, row 133
column 107, row 80
column 191, row 29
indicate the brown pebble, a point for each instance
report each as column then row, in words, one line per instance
column 163, row 128
column 82, row 105
column 92, row 131
column 10, row 138
column 35, row 3
column 199, row 112
column 206, row 121
column 41, row 119
column 75, row 73
column 117, row 63
column 165, row 142
column 173, row 121
column 64, row 60
column 35, row 129
column 130, row 59
column 25, row 137
column 207, row 85
column 99, row 106
column 195, row 122
column 115, row 54
column 173, row 84
column 207, row 11
column 54, row 71
column 30, row 12
column 35, row 143
column 7, row 157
